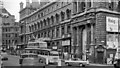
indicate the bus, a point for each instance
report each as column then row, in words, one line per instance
column 37, row 44
column 46, row 56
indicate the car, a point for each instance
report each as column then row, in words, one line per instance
column 29, row 59
column 4, row 58
column 117, row 63
column 76, row 62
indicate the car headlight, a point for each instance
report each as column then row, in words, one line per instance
column 115, row 62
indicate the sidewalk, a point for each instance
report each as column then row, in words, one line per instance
column 95, row 64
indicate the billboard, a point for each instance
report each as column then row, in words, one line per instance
column 66, row 42
column 112, row 41
column 112, row 24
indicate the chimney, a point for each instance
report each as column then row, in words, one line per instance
column 21, row 5
column 27, row 3
column 35, row 3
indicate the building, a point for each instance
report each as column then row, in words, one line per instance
column 93, row 30
column 9, row 30
column 24, row 12
column 51, row 20
column 0, row 25
column 80, row 28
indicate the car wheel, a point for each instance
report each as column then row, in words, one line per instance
column 81, row 65
column 40, row 61
column 115, row 65
column 67, row 64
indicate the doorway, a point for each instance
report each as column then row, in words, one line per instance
column 100, row 57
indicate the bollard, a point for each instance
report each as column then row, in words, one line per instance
column 47, row 61
column 59, row 62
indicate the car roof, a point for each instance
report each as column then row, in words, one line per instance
column 28, row 54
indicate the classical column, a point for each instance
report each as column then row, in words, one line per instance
column 55, row 31
column 92, row 49
column 72, row 41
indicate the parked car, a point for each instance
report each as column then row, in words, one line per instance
column 4, row 58
column 117, row 63
column 76, row 62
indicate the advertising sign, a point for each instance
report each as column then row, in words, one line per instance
column 111, row 24
column 112, row 41
column 66, row 42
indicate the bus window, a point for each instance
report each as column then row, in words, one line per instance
column 30, row 51
column 24, row 56
column 35, row 56
column 54, row 54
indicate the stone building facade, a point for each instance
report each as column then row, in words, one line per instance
column 10, row 28
column 90, row 30
column 77, row 27
column 51, row 20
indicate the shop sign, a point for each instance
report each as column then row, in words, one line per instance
column 112, row 24
column 66, row 42
column 112, row 41
column 54, row 47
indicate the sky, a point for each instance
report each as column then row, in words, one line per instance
column 13, row 7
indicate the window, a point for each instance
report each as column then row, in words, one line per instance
column 83, row 6
column 41, row 14
column 41, row 34
column 53, row 33
column 118, row 7
column 32, row 28
column 45, row 22
column 48, row 10
column 63, row 30
column 57, row 6
column 52, row 18
column 45, row 34
column 49, row 33
column 16, row 41
column 6, row 42
column 9, row 41
column 48, row 21
column 75, row 6
column 35, row 26
column 29, row 28
column 57, row 18
column 62, row 4
column 111, row 5
column 38, row 15
column 68, row 12
column 16, row 35
column 89, row 4
column 41, row 24
column 38, row 25
column 62, row 16
column 68, row 29
column 57, row 32
column 38, row 35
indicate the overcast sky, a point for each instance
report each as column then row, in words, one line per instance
column 13, row 7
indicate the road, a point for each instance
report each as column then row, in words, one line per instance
column 14, row 61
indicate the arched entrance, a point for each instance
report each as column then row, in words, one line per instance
column 84, row 43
